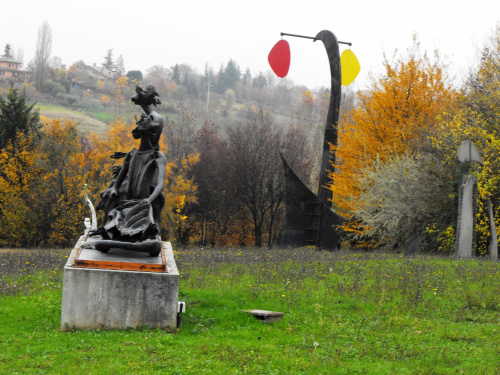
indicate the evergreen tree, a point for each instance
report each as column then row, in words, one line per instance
column 17, row 116
column 185, row 81
column 108, row 61
column 193, row 88
column 176, row 76
column 232, row 74
column 209, row 75
column 6, row 51
column 228, row 76
column 260, row 80
column 247, row 76
column 134, row 74
column 219, row 80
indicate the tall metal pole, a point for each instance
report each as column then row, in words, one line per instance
column 208, row 94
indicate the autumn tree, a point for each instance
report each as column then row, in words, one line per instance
column 394, row 117
column 19, row 179
column 120, row 66
column 258, row 172
column 61, row 202
column 42, row 53
column 17, row 115
column 180, row 134
column 41, row 188
column 156, row 72
column 403, row 197
column 180, row 197
column 122, row 90
column 478, row 119
column 159, row 76
column 220, row 217
column 41, row 182
column 181, row 190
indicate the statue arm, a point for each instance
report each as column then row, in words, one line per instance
column 161, row 164
column 121, row 176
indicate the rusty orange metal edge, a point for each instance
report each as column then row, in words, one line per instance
column 124, row 266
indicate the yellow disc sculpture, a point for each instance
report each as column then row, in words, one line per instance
column 350, row 67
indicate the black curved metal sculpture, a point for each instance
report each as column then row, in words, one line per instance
column 309, row 218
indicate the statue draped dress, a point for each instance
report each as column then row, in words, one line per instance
column 134, row 218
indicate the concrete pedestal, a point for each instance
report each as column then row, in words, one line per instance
column 115, row 298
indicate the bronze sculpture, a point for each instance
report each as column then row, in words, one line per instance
column 134, row 200
column 309, row 218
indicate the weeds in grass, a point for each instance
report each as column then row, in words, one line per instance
column 344, row 313
column 29, row 271
column 388, row 283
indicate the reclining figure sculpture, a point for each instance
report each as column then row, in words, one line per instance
column 133, row 201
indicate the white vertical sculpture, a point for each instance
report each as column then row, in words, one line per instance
column 493, row 248
column 466, row 222
column 93, row 223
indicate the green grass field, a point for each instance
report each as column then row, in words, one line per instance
column 345, row 313
column 85, row 122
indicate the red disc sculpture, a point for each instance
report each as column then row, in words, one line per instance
column 279, row 58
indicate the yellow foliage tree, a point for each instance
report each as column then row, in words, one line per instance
column 181, row 192
column 41, row 183
column 396, row 115
column 478, row 120
column 105, row 100
column 19, row 175
column 64, row 177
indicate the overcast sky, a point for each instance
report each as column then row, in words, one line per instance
column 196, row 32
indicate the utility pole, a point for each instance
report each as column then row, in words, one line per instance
column 208, row 94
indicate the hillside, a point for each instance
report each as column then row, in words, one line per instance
column 85, row 123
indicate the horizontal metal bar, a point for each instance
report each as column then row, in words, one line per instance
column 298, row 36
column 311, row 37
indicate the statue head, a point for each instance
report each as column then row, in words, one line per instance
column 150, row 126
column 147, row 97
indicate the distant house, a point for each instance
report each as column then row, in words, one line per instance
column 100, row 72
column 10, row 68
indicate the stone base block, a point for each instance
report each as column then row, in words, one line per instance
column 117, row 299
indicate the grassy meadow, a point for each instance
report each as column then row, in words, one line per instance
column 345, row 313
column 95, row 122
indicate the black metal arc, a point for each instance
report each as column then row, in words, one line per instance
column 331, row 133
column 309, row 218
column 311, row 37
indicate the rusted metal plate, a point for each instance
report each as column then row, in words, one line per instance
column 117, row 259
